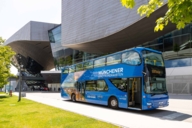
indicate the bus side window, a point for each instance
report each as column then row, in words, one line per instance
column 66, row 70
column 131, row 58
column 79, row 67
column 71, row 69
column 88, row 65
column 90, row 85
column 115, row 59
column 119, row 83
column 101, row 85
column 99, row 62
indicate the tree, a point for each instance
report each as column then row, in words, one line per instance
column 179, row 12
column 6, row 54
column 176, row 48
column 2, row 40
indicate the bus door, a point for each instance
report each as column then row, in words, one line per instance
column 82, row 90
column 134, row 93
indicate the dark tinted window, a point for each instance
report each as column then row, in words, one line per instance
column 120, row 83
column 96, row 85
column 91, row 86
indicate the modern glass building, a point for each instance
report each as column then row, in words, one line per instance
column 92, row 29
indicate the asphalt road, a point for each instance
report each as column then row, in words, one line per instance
column 177, row 115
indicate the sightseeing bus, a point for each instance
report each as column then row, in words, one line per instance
column 132, row 79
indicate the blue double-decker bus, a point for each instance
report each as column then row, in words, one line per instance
column 133, row 79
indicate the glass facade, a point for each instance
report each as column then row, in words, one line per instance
column 180, row 39
column 55, row 35
column 65, row 56
column 176, row 48
column 178, row 62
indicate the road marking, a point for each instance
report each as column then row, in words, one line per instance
column 172, row 116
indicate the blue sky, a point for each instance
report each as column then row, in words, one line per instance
column 16, row 13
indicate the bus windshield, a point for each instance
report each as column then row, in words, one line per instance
column 155, row 82
column 153, row 58
column 156, row 86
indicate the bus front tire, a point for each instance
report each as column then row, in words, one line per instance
column 73, row 97
column 113, row 102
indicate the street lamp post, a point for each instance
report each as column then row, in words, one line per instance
column 20, row 75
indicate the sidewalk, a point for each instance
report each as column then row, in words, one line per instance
column 123, row 118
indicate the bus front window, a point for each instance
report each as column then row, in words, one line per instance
column 154, row 73
column 156, row 86
column 152, row 58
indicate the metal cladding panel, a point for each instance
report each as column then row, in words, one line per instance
column 32, row 31
column 39, row 31
column 85, row 21
column 32, row 41
column 21, row 34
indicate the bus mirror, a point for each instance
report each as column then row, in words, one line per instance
column 145, row 76
column 144, row 73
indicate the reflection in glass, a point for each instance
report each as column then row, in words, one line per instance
column 115, row 59
column 178, row 63
column 71, row 69
column 165, row 43
column 99, row 62
column 55, row 34
column 131, row 58
column 153, row 58
column 120, row 83
column 88, row 65
column 79, row 67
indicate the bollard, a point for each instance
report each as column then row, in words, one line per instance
column 10, row 93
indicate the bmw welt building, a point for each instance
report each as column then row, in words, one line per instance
column 90, row 29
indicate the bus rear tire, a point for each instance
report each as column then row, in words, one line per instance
column 73, row 97
column 113, row 102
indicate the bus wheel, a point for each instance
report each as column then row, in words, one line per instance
column 113, row 103
column 73, row 97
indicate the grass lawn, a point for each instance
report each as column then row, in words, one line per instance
column 29, row 114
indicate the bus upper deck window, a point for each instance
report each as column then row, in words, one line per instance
column 79, row 67
column 115, row 59
column 66, row 70
column 131, row 58
column 88, row 65
column 99, row 62
column 153, row 58
column 71, row 69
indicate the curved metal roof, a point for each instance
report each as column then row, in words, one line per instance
column 32, row 41
column 134, row 35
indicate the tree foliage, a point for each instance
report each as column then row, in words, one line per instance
column 176, row 47
column 179, row 12
column 6, row 54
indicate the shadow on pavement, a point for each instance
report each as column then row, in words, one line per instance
column 157, row 113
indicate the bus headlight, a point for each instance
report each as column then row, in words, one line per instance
column 149, row 104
